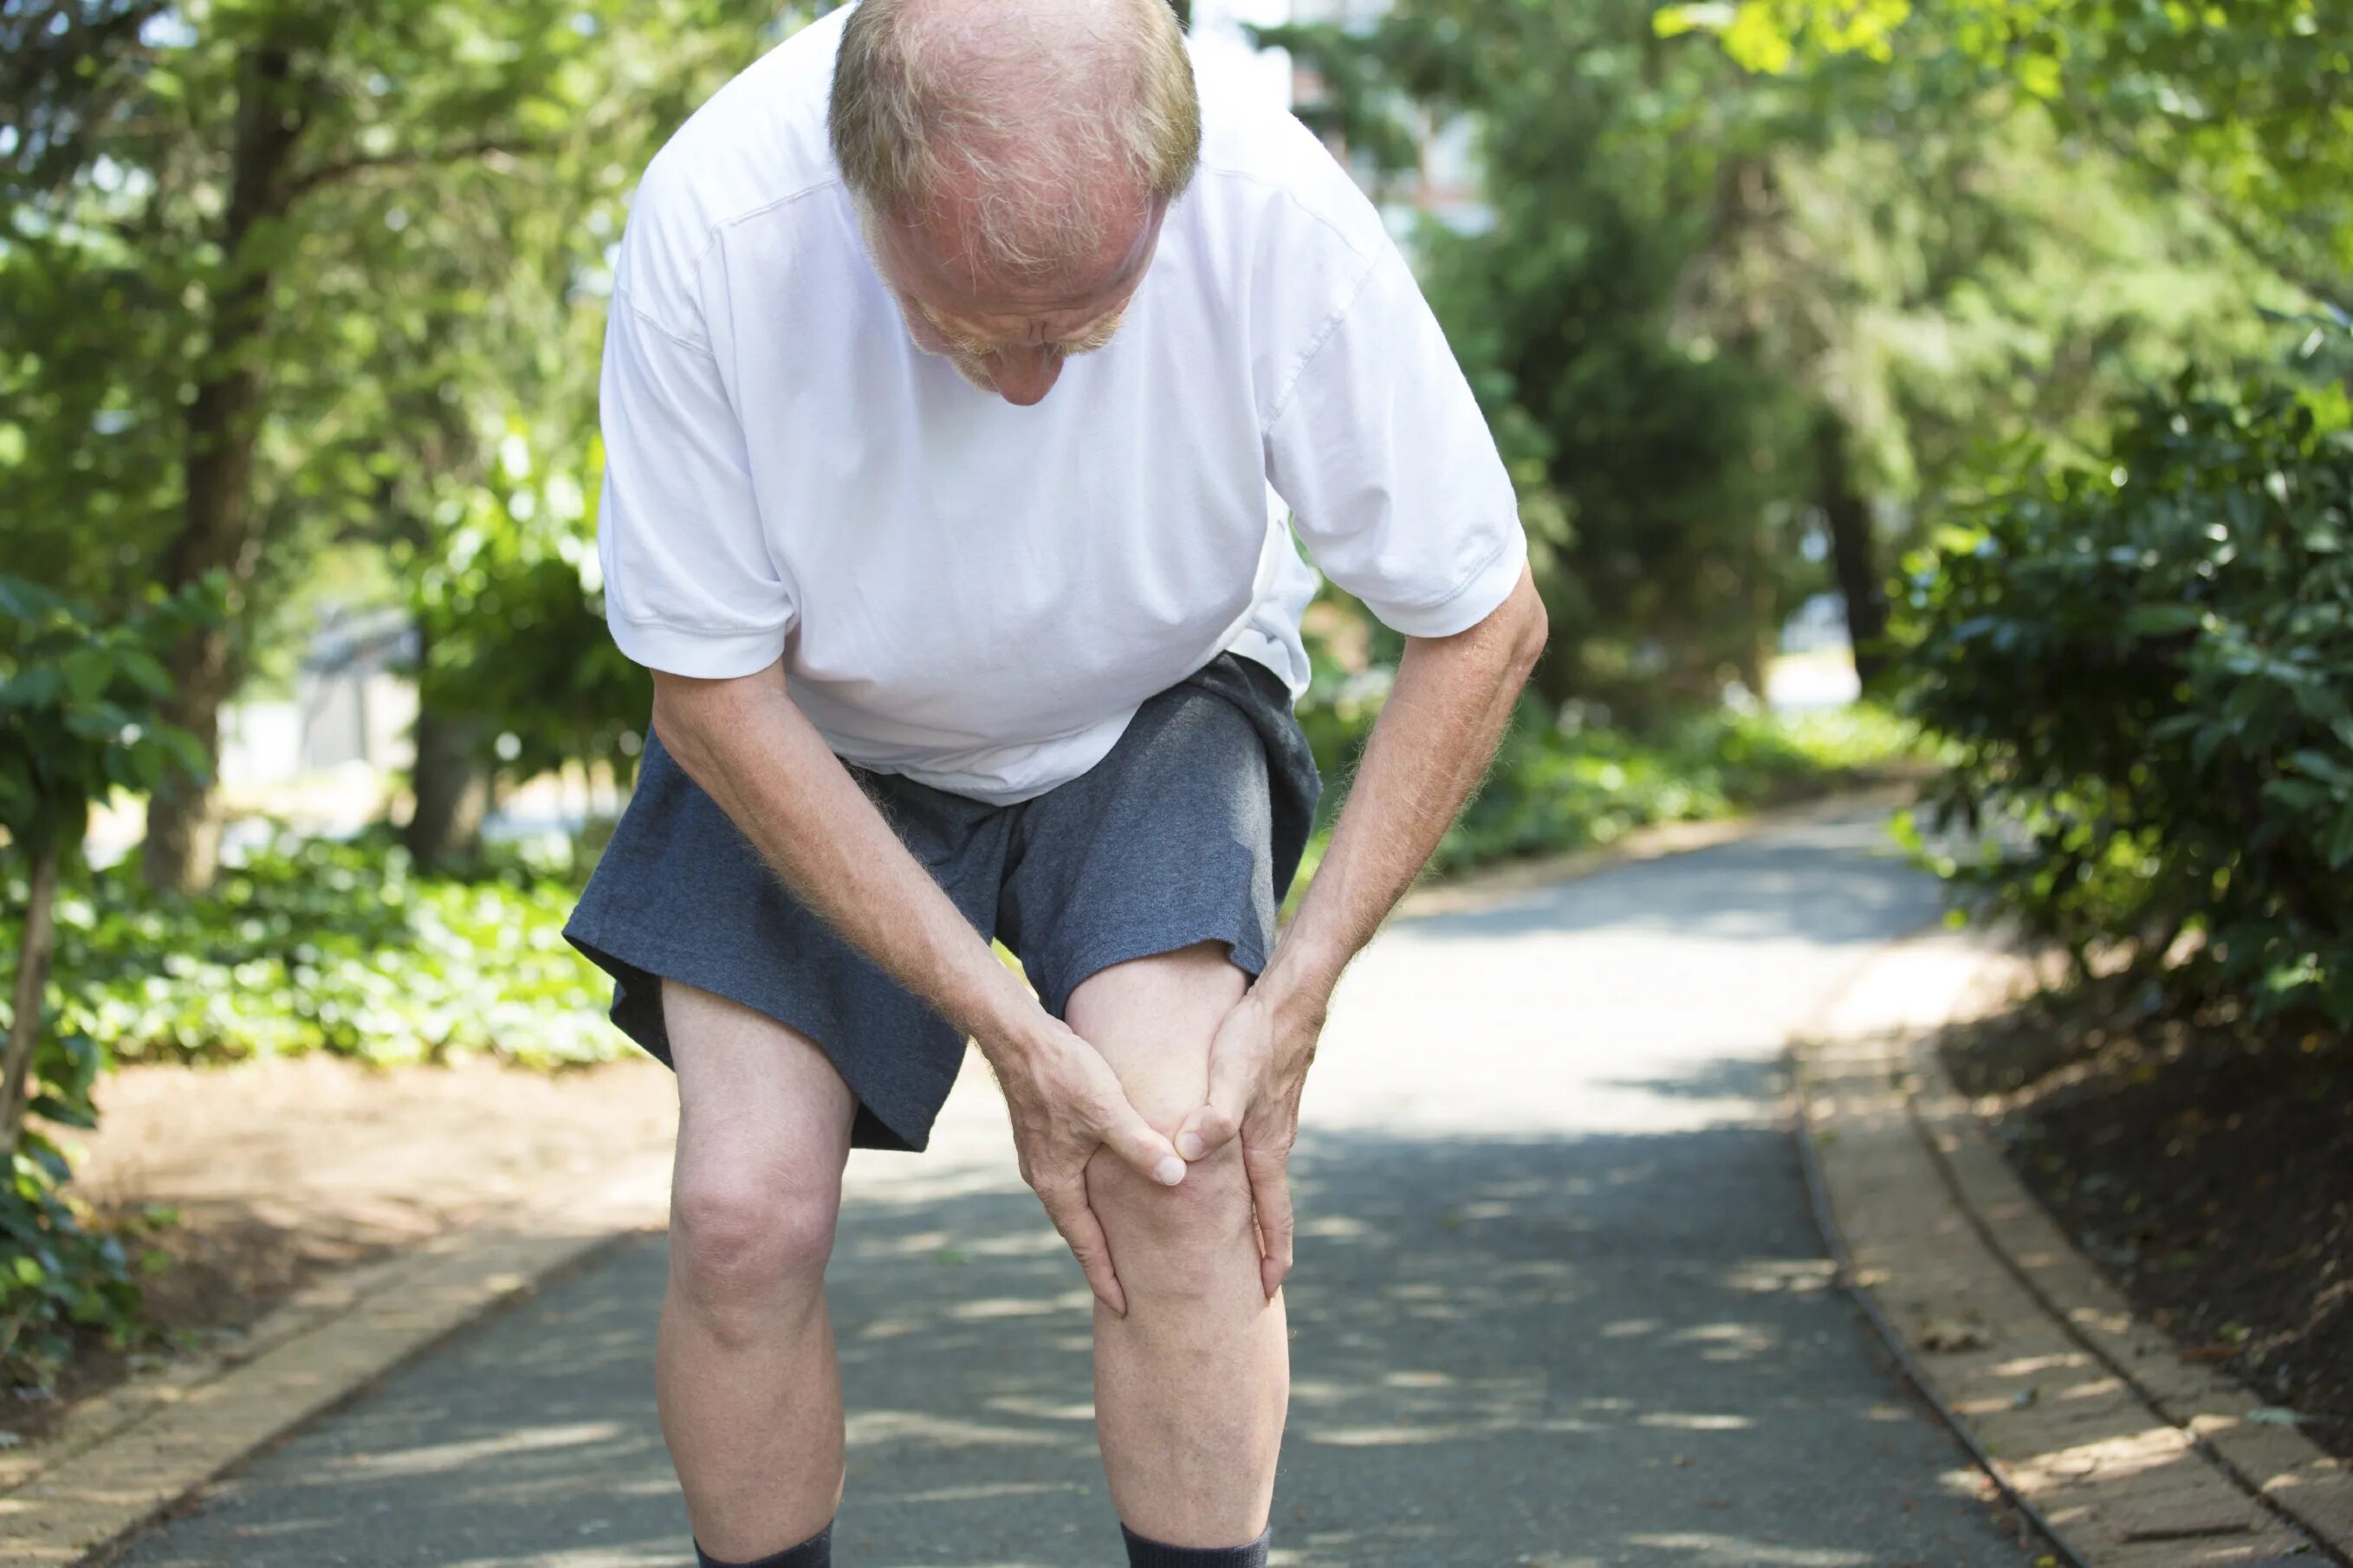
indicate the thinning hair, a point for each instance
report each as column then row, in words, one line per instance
column 1043, row 120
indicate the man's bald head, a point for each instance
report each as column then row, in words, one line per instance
column 1019, row 141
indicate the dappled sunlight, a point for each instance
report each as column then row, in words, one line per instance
column 1734, row 1552
column 468, row 1455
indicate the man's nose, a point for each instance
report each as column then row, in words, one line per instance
column 1024, row 375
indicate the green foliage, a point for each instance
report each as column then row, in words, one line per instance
column 1691, row 269
column 2225, row 107
column 511, row 611
column 2146, row 668
column 1644, row 462
column 78, row 701
column 314, row 945
column 78, row 698
column 1551, row 791
column 60, row 1274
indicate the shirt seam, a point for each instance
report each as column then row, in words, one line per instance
column 629, row 301
column 1283, row 399
column 664, row 623
column 1463, row 586
column 719, row 227
column 1290, row 195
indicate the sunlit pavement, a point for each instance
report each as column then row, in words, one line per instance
column 1559, row 1298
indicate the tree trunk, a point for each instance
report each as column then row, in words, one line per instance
column 1855, row 549
column 217, row 529
column 32, row 980
column 452, row 784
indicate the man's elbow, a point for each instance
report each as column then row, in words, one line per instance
column 693, row 715
column 1530, row 626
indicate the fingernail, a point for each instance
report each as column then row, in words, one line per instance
column 1170, row 1171
column 1189, row 1145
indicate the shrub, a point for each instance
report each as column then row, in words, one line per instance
column 2145, row 668
column 79, row 697
column 316, row 944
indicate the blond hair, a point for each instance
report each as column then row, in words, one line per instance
column 1043, row 119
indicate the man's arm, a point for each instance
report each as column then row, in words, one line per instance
column 753, row 752
column 1429, row 748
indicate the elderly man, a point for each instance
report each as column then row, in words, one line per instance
column 954, row 345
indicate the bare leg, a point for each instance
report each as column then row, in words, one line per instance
column 1191, row 1385
column 746, row 1386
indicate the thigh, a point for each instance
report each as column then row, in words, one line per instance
column 758, row 1101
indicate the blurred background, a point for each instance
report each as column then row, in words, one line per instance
column 1949, row 392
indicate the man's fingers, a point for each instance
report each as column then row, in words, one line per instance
column 1126, row 1135
column 1213, row 1125
column 1271, row 1194
column 1066, row 1205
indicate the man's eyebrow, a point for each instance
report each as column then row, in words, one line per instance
column 971, row 344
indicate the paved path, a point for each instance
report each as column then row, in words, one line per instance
column 1558, row 1299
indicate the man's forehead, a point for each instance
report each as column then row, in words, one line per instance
column 935, row 264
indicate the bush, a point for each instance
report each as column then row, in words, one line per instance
column 315, row 945
column 2144, row 667
column 1551, row 789
column 81, row 700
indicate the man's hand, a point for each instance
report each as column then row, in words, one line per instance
column 1258, row 1064
column 1066, row 1103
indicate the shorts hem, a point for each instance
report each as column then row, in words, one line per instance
column 1247, row 952
column 898, row 1121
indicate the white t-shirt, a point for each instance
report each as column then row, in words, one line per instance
column 978, row 596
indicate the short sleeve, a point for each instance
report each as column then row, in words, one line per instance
column 690, row 585
column 1393, row 478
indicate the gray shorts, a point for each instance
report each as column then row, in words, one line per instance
column 1189, row 831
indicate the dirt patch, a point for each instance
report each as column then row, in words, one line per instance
column 2207, row 1172
column 282, row 1171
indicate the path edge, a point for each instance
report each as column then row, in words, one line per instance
column 1964, row 1178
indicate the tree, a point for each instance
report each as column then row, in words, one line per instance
column 1648, row 468
column 251, row 183
column 2231, row 109
column 1721, row 310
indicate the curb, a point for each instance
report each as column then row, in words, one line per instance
column 2126, row 1456
column 133, row 1456
column 130, row 1457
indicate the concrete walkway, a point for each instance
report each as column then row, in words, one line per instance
column 1559, row 1301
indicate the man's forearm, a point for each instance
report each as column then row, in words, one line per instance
column 1433, row 740
column 756, row 755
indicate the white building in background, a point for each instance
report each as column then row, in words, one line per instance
column 1218, row 23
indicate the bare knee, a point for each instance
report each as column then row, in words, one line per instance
column 749, row 1243
column 1188, row 1243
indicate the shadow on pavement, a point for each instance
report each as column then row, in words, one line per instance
column 1580, row 1350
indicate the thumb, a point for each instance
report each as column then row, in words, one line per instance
column 1215, row 1123
column 1126, row 1135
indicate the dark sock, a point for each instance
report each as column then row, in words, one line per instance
column 817, row 1552
column 1145, row 1552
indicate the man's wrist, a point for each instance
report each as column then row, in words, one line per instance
column 1010, row 1023
column 1298, row 982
